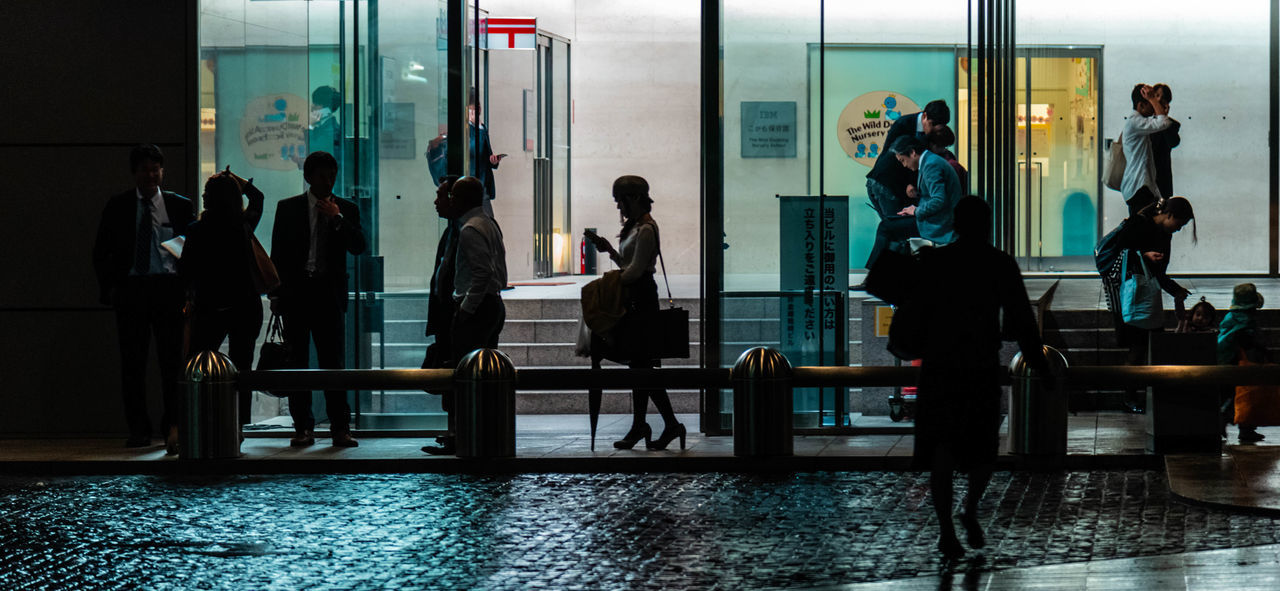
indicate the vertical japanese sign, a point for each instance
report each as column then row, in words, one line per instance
column 814, row 281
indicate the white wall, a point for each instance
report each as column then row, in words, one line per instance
column 635, row 75
column 1215, row 60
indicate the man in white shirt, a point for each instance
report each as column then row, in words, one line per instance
column 1150, row 116
column 480, row 275
column 137, row 277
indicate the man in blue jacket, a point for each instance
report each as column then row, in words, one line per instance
column 939, row 190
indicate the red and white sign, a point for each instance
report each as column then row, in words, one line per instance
column 511, row 32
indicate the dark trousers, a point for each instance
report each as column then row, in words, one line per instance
column 147, row 306
column 892, row 230
column 476, row 331
column 241, row 323
column 1140, row 201
column 316, row 318
column 479, row 330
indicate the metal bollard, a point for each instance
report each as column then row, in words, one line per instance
column 485, row 405
column 210, row 422
column 1037, row 416
column 762, row 406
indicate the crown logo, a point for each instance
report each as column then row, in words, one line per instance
column 871, row 114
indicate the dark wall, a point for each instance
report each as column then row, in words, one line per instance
column 84, row 81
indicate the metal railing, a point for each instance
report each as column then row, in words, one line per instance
column 762, row 380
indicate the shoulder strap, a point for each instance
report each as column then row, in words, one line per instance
column 667, row 282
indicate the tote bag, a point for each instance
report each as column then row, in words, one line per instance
column 1141, row 304
column 1113, row 168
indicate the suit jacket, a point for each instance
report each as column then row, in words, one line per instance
column 887, row 170
column 939, row 194
column 1162, row 145
column 291, row 242
column 440, row 305
column 113, row 249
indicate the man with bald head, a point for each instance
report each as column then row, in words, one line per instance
column 480, row 275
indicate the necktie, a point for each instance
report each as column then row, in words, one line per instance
column 142, row 246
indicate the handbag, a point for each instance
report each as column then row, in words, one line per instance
column 263, row 272
column 671, row 325
column 1113, row 168
column 275, row 351
column 1141, row 303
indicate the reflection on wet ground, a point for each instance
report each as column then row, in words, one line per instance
column 580, row 531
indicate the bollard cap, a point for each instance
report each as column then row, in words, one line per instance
column 761, row 362
column 1019, row 368
column 485, row 364
column 210, row 366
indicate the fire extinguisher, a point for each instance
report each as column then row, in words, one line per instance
column 588, row 251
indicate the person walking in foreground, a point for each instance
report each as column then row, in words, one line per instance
column 313, row 233
column 137, row 276
column 440, row 306
column 958, row 410
column 480, row 275
column 637, row 260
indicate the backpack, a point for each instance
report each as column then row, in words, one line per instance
column 1113, row 168
column 1108, row 249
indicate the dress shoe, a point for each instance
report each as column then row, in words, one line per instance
column 171, row 442
column 975, row 536
column 447, row 446
column 633, row 436
column 303, row 439
column 951, row 550
column 1250, row 435
column 344, row 439
column 668, row 434
column 138, row 441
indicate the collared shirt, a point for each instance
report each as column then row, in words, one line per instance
column 161, row 261
column 481, row 264
column 920, row 124
column 1140, row 165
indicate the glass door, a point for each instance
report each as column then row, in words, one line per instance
column 1056, row 212
column 552, row 233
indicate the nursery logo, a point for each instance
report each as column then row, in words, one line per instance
column 272, row 134
column 865, row 121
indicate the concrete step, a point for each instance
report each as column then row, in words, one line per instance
column 409, row 355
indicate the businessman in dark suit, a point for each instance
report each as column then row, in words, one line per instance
column 313, row 233
column 891, row 186
column 138, row 277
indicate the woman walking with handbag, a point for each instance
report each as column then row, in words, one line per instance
column 225, row 282
column 1144, row 242
column 637, row 260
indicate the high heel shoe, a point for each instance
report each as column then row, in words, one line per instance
column 668, row 434
column 634, row 436
column 973, row 531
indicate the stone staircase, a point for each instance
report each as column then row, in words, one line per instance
column 538, row 334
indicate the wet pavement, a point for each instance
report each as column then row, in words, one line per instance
column 578, row 531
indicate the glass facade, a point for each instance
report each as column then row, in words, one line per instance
column 801, row 97
column 1037, row 92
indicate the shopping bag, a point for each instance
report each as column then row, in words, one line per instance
column 263, row 272
column 275, row 352
column 1141, row 303
column 1113, row 168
